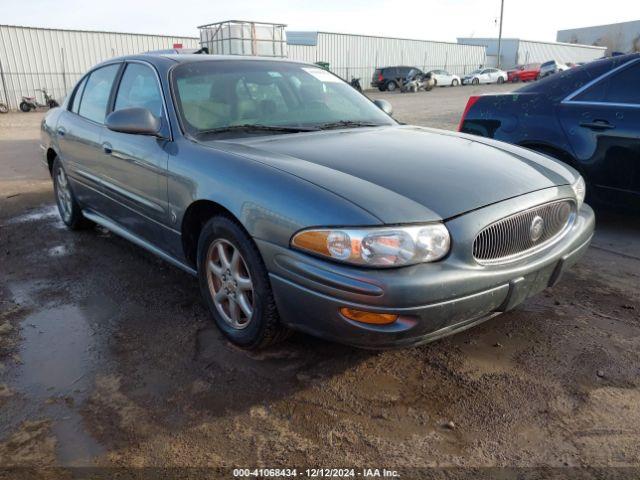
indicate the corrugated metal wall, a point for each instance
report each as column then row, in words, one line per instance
column 33, row 58
column 529, row 52
column 359, row 55
column 519, row 52
column 618, row 37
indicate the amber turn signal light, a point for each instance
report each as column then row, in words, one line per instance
column 368, row 317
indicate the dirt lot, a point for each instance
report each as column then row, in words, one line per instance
column 108, row 358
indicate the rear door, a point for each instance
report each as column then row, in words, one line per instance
column 602, row 123
column 80, row 130
column 134, row 167
column 485, row 76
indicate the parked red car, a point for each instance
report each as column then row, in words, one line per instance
column 524, row 73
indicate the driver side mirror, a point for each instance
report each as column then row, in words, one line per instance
column 384, row 106
column 136, row 121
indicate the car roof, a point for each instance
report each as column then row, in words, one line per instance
column 159, row 58
column 561, row 84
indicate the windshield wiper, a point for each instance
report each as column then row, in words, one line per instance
column 248, row 127
column 347, row 124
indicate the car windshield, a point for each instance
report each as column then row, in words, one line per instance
column 475, row 72
column 267, row 97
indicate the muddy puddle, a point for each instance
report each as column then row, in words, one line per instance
column 57, row 356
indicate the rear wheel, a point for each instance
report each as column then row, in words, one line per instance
column 391, row 86
column 236, row 287
column 3, row 108
column 454, row 82
column 500, row 80
column 68, row 207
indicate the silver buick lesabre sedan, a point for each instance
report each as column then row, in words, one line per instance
column 300, row 204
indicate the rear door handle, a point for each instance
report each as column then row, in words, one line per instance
column 107, row 148
column 598, row 125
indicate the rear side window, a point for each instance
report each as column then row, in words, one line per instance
column 548, row 64
column 77, row 96
column 139, row 88
column 95, row 98
column 621, row 87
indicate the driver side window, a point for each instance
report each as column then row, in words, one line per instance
column 139, row 88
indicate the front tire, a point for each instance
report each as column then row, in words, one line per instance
column 68, row 207
column 235, row 285
column 475, row 81
column 25, row 107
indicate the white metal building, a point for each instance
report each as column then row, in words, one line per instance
column 616, row 37
column 359, row 55
column 32, row 58
column 515, row 51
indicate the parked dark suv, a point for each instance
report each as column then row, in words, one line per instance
column 388, row 78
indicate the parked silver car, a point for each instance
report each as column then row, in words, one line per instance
column 551, row 67
column 485, row 75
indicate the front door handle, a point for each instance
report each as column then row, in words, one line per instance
column 598, row 125
column 61, row 131
column 107, row 148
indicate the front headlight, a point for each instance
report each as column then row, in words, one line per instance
column 580, row 190
column 377, row 247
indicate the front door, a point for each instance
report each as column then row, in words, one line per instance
column 134, row 167
column 602, row 123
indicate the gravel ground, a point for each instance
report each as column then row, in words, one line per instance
column 108, row 358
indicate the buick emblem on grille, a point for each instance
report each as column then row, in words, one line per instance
column 536, row 229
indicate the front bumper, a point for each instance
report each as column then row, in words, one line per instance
column 433, row 300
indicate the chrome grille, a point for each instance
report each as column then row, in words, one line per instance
column 516, row 236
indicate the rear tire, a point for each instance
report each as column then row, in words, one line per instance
column 500, row 80
column 391, row 86
column 3, row 108
column 68, row 207
column 454, row 82
column 235, row 285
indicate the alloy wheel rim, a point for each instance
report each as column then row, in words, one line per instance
column 63, row 194
column 230, row 284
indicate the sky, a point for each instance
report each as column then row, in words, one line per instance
column 421, row 19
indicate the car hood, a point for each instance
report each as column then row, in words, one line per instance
column 404, row 174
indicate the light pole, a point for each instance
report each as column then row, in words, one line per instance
column 500, row 34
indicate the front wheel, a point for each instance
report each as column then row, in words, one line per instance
column 235, row 285
column 475, row 81
column 25, row 107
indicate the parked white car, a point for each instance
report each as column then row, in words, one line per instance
column 444, row 78
column 485, row 75
column 551, row 67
